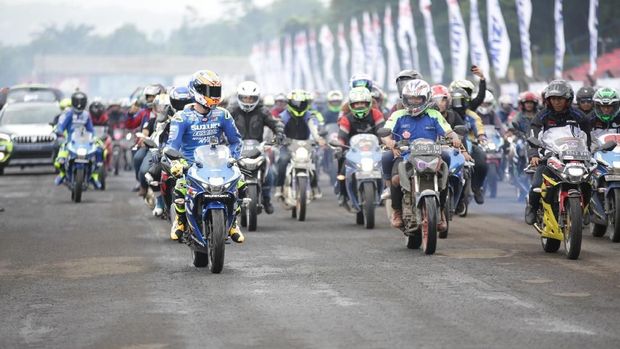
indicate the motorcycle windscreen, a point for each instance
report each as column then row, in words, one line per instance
column 249, row 148
column 567, row 138
column 214, row 161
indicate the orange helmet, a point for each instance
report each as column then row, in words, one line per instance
column 440, row 92
column 206, row 88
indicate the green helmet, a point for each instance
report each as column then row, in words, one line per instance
column 298, row 103
column 357, row 95
column 606, row 96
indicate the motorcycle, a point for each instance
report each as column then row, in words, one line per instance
column 459, row 174
column 254, row 166
column 210, row 202
column 605, row 202
column 494, row 150
column 517, row 162
column 363, row 176
column 300, row 172
column 328, row 163
column 564, row 190
column 422, row 180
column 122, row 141
column 81, row 162
column 103, row 142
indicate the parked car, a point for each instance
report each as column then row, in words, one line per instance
column 27, row 136
column 33, row 93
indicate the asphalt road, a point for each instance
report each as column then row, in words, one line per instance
column 103, row 274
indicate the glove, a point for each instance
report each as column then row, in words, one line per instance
column 231, row 162
column 177, row 167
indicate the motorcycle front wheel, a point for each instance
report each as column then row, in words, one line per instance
column 252, row 208
column 302, row 195
column 573, row 228
column 369, row 194
column 429, row 225
column 76, row 194
column 216, row 239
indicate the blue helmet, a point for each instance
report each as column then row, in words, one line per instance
column 180, row 97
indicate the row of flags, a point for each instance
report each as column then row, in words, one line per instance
column 316, row 59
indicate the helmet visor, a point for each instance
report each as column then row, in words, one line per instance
column 209, row 91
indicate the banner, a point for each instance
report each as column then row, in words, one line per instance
column 458, row 41
column 314, row 59
column 303, row 72
column 358, row 56
column 287, row 65
column 478, row 52
column 256, row 64
column 559, row 39
column 524, row 12
column 499, row 42
column 274, row 83
column 434, row 55
column 344, row 55
column 407, row 40
column 593, row 27
column 326, row 40
column 379, row 76
column 370, row 49
column 393, row 65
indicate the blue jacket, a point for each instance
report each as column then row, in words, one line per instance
column 189, row 129
column 72, row 120
column 428, row 125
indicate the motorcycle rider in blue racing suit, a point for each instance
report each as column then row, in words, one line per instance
column 195, row 126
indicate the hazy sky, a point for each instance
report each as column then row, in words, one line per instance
column 20, row 18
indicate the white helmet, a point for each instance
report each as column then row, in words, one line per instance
column 248, row 95
column 414, row 89
column 488, row 104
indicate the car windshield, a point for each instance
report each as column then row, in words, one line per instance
column 212, row 158
column 30, row 95
column 365, row 142
column 29, row 113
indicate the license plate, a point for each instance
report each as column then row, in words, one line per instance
column 575, row 155
column 611, row 178
column 426, row 149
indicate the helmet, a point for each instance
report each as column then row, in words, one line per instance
column 280, row 97
column 96, row 109
column 268, row 101
column 162, row 107
column 206, row 88
column 360, row 95
column 488, row 104
column 377, row 93
column 466, row 85
column 606, row 96
column 65, row 103
column 151, row 90
column 298, row 103
column 78, row 101
column 363, row 80
column 528, row 96
column 505, row 100
column 559, row 88
column 248, row 95
column 334, row 100
column 460, row 98
column 413, row 90
column 179, row 97
column 585, row 94
column 404, row 76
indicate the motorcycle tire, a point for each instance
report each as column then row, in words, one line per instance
column 116, row 157
column 429, row 225
column 78, row 185
column 252, row 208
column 615, row 235
column 302, row 198
column 573, row 228
column 414, row 240
column 216, row 239
column 370, row 195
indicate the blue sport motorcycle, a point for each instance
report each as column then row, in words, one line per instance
column 363, row 176
column 605, row 201
column 80, row 163
column 210, row 202
column 459, row 174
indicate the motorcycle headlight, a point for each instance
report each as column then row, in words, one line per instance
column 81, row 152
column 1, row 156
column 302, row 154
column 492, row 146
column 575, row 171
column 216, row 181
column 367, row 164
column 616, row 165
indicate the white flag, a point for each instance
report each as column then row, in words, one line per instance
column 287, row 65
column 255, row 63
column 380, row 58
column 358, row 56
column 434, row 55
column 275, row 67
column 559, row 39
column 499, row 42
column 458, row 40
column 326, row 39
column 343, row 54
column 393, row 65
column 370, row 50
column 593, row 27
column 407, row 40
column 524, row 11
column 478, row 53
column 314, row 59
column 303, row 61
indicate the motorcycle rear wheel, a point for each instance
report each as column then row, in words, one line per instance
column 369, row 194
column 302, row 198
column 615, row 235
column 252, row 208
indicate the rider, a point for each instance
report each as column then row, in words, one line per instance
column 528, row 107
column 280, row 104
column 360, row 119
column 299, row 124
column 332, row 110
column 558, row 113
column 418, row 120
column 401, row 80
column 505, row 111
column 461, row 104
column 74, row 118
column 468, row 86
column 584, row 101
column 486, row 111
column 195, row 126
column 606, row 111
column 251, row 117
column 100, row 118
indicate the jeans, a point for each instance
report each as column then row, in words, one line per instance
column 480, row 167
column 138, row 157
column 144, row 167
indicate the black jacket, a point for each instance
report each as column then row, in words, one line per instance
column 250, row 125
column 548, row 118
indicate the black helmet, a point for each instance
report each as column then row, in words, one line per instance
column 404, row 76
column 78, row 101
column 585, row 94
column 559, row 88
column 96, row 109
column 460, row 98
